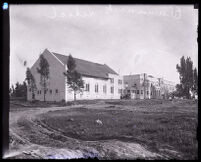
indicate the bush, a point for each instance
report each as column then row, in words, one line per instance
column 35, row 101
column 126, row 96
column 63, row 101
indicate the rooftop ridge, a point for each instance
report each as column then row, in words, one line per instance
column 78, row 59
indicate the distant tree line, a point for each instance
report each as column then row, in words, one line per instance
column 18, row 90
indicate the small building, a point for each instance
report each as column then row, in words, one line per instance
column 100, row 81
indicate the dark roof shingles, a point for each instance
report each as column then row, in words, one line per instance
column 88, row 68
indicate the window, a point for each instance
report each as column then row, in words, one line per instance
column 96, row 88
column 112, row 80
column 87, row 88
column 147, row 92
column 38, row 92
column 104, row 89
column 50, row 91
column 45, row 91
column 128, row 91
column 141, row 91
column 120, row 81
column 112, row 89
column 138, row 91
column 56, row 91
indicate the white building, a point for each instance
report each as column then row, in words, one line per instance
column 143, row 86
column 100, row 81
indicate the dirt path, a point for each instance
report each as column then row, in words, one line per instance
column 60, row 146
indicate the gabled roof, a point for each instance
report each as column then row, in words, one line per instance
column 88, row 68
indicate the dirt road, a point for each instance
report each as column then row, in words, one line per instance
column 32, row 140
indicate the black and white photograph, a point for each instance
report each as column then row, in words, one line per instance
column 103, row 81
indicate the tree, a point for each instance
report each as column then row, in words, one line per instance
column 13, row 89
column 43, row 70
column 17, row 89
column 185, row 70
column 20, row 90
column 74, row 79
column 10, row 91
column 195, row 82
column 23, row 90
column 31, row 82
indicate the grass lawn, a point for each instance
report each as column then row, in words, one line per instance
column 166, row 127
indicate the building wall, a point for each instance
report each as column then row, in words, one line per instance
column 154, row 86
column 100, row 94
column 142, row 86
column 56, row 80
column 166, row 87
column 133, row 85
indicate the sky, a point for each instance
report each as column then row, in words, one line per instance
column 131, row 39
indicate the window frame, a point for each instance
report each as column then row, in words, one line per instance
column 111, row 80
column 119, row 81
column 87, row 87
column 105, row 88
column 96, row 88
column 112, row 89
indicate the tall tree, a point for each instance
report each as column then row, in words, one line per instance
column 31, row 82
column 43, row 70
column 195, row 82
column 185, row 70
column 74, row 79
